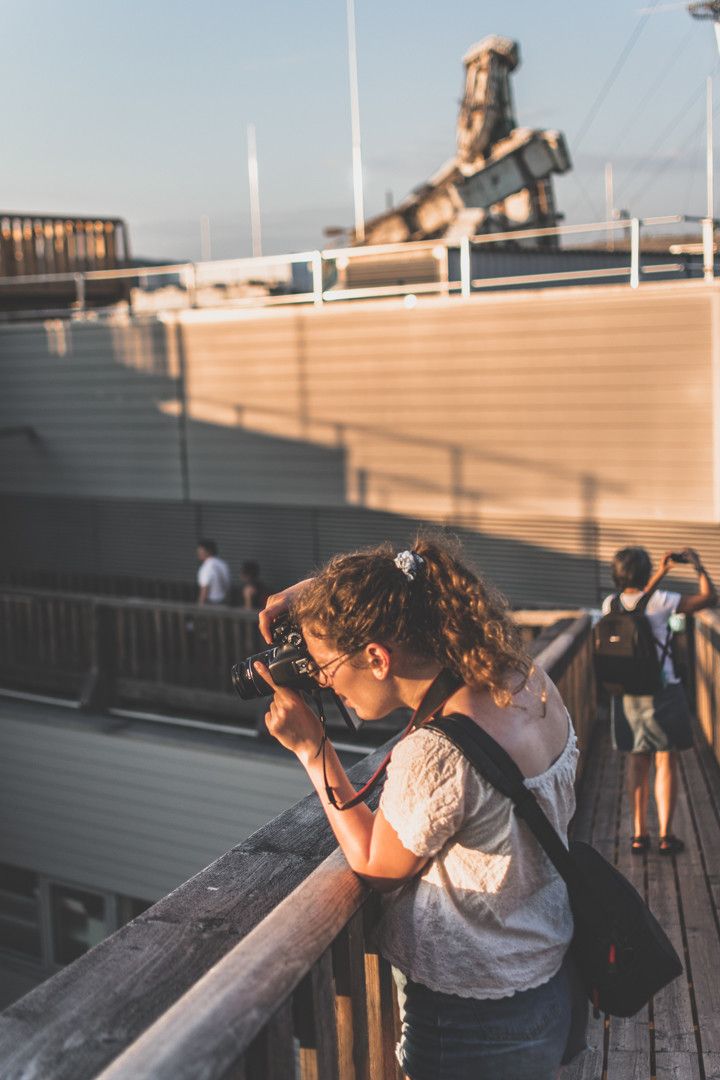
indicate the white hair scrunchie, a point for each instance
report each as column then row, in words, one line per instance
column 409, row 562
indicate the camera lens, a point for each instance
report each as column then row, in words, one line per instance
column 246, row 680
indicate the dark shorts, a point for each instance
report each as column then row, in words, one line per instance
column 647, row 723
column 523, row 1037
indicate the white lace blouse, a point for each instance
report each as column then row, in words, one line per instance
column 488, row 915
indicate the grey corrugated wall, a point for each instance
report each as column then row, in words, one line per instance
column 119, row 810
column 536, row 561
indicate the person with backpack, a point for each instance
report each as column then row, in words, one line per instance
column 477, row 921
column 650, row 716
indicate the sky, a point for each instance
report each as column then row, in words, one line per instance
column 139, row 108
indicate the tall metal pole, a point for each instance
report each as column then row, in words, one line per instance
column 609, row 204
column 708, row 224
column 355, row 120
column 710, row 176
column 254, row 191
column 205, row 247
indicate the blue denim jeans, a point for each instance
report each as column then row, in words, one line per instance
column 523, row 1037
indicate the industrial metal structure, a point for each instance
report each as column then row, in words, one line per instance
column 501, row 176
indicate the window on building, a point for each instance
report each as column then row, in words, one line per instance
column 19, row 912
column 78, row 922
column 129, row 907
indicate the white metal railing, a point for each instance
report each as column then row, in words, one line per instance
column 319, row 267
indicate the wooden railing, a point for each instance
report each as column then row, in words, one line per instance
column 118, row 651
column 303, row 994
column 122, row 585
column 707, row 676
column 110, row 650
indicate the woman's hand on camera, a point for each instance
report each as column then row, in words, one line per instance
column 289, row 719
column 276, row 605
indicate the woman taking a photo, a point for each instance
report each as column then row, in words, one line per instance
column 476, row 918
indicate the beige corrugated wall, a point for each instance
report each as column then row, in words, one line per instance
column 551, row 426
column 579, row 403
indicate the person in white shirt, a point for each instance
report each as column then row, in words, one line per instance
column 213, row 575
column 476, row 918
column 655, row 725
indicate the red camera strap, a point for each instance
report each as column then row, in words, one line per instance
column 442, row 688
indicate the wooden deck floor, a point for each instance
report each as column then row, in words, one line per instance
column 678, row 1035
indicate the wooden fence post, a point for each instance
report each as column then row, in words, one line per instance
column 97, row 689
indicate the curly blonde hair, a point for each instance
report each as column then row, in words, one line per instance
column 447, row 613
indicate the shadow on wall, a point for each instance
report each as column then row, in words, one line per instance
column 152, row 539
column 109, row 404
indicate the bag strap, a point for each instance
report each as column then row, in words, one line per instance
column 445, row 684
column 618, row 608
column 498, row 768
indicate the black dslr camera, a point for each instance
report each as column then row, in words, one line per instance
column 286, row 660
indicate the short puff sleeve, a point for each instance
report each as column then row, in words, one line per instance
column 425, row 793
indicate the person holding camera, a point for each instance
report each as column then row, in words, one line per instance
column 655, row 725
column 476, row 919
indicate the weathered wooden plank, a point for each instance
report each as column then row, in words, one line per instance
column 380, row 990
column 271, row 1054
column 674, row 1035
column 225, row 1009
column 314, row 1010
column 631, row 1033
column 590, row 787
column 350, row 1001
column 705, row 821
column 697, row 918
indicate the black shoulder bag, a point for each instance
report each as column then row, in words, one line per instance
column 622, row 954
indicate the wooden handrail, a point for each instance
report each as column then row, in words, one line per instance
column 133, row 603
column 228, row 1007
column 707, row 676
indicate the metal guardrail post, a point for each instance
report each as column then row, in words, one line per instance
column 191, row 284
column 79, row 291
column 708, row 242
column 634, row 253
column 317, row 278
column 465, row 273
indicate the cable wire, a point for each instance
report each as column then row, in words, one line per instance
column 645, row 159
column 619, row 64
column 672, row 159
column 652, row 90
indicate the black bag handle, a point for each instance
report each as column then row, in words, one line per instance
column 498, row 768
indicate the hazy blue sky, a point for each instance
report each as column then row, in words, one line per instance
column 139, row 109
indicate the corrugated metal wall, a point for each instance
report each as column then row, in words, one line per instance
column 535, row 561
column 117, row 809
column 566, row 403
column 561, row 403
column 549, row 427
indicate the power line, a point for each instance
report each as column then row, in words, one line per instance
column 695, row 156
column 619, row 64
column 671, row 160
column 653, row 89
column 667, row 130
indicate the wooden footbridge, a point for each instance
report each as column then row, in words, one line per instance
column 263, row 966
